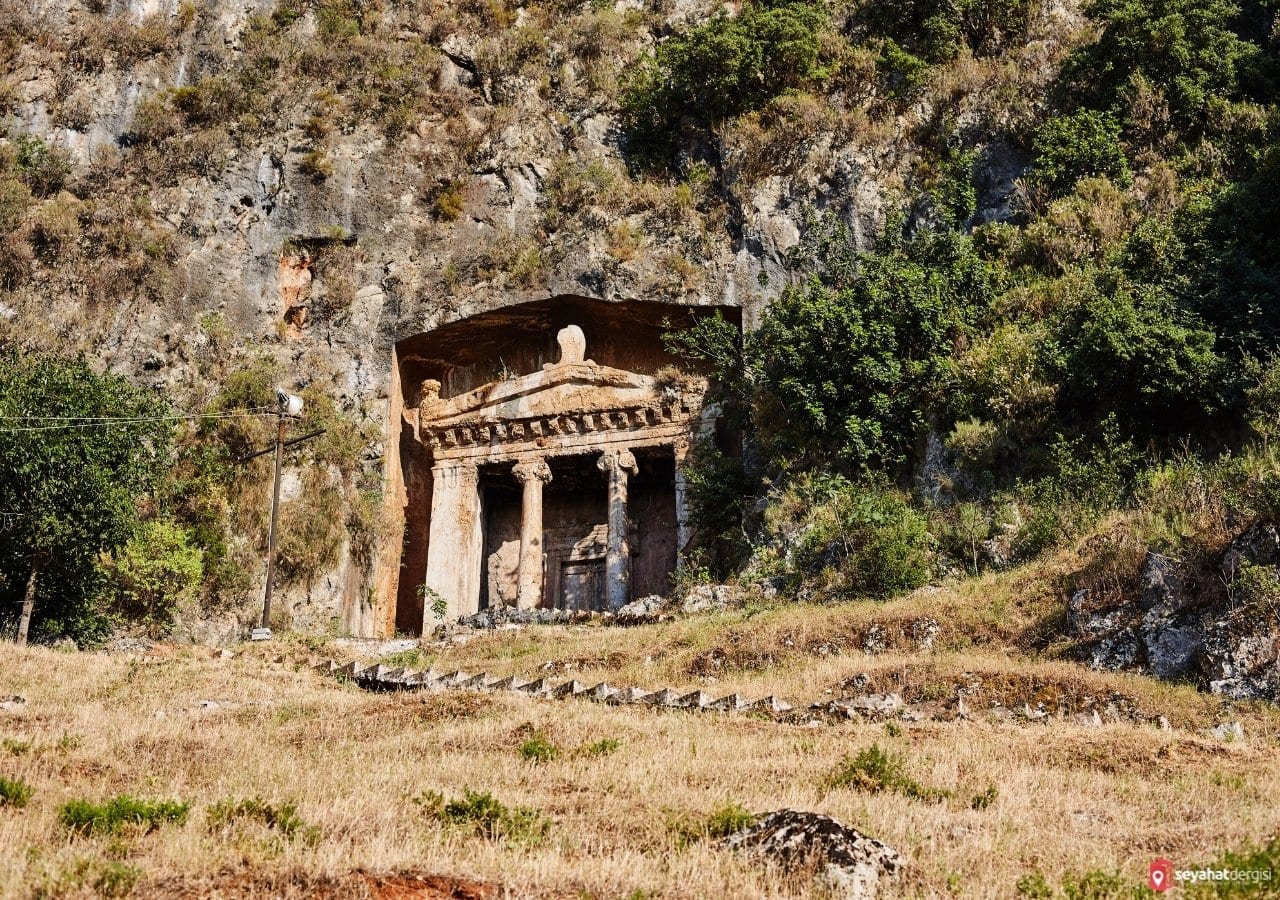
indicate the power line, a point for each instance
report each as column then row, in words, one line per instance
column 64, row 422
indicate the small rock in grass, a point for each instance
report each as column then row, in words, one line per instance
column 849, row 864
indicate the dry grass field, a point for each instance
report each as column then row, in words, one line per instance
column 617, row 800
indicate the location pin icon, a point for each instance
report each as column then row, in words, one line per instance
column 1159, row 876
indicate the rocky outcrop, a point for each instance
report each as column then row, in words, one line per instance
column 846, row 863
column 1173, row 628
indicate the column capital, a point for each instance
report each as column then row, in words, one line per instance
column 531, row 470
column 620, row 459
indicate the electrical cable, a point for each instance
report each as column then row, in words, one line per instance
column 97, row 421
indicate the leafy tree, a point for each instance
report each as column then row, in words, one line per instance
column 72, row 487
column 1131, row 354
column 847, row 372
column 1186, row 47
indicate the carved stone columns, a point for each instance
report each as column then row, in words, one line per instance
column 456, row 543
column 532, row 475
column 617, row 466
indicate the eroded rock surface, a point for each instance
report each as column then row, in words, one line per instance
column 1184, row 623
column 844, row 861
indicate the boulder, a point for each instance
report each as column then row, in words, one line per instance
column 1162, row 583
column 849, row 864
column 711, row 598
column 643, row 611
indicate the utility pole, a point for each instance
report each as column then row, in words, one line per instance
column 275, row 513
column 287, row 406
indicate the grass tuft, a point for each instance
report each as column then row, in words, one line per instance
column 120, row 813
column 719, row 823
column 985, row 799
column 875, row 770
column 602, row 747
column 282, row 817
column 538, row 749
column 488, row 817
column 14, row 792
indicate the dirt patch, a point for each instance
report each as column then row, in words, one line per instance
column 295, row 885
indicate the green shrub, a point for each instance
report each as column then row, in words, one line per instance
column 602, row 747
column 1033, row 886
column 121, row 813
column 716, row 70
column 1099, row 885
column 1084, row 144
column 846, row 365
column 873, row 536
column 875, row 770
column 1259, row 859
column 490, row 818
column 157, row 573
column 450, row 202
column 719, row 494
column 952, row 189
column 937, row 29
column 1187, row 47
column 14, row 792
column 42, row 167
column 538, row 749
column 1133, row 354
column 903, row 75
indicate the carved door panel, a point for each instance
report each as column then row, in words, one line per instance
column 582, row 585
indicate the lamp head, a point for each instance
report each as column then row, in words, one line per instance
column 290, row 404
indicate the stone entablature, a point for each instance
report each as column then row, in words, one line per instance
column 573, row 407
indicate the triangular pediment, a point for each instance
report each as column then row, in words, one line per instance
column 562, row 389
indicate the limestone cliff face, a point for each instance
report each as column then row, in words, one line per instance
column 314, row 182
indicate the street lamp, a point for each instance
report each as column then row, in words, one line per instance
column 287, row 405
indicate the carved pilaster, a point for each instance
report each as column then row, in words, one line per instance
column 455, row 546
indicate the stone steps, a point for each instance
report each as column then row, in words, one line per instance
column 866, row 707
column 378, row 677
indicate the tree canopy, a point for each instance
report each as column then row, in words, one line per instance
column 79, row 453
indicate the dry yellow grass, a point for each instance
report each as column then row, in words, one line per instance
column 1070, row 799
